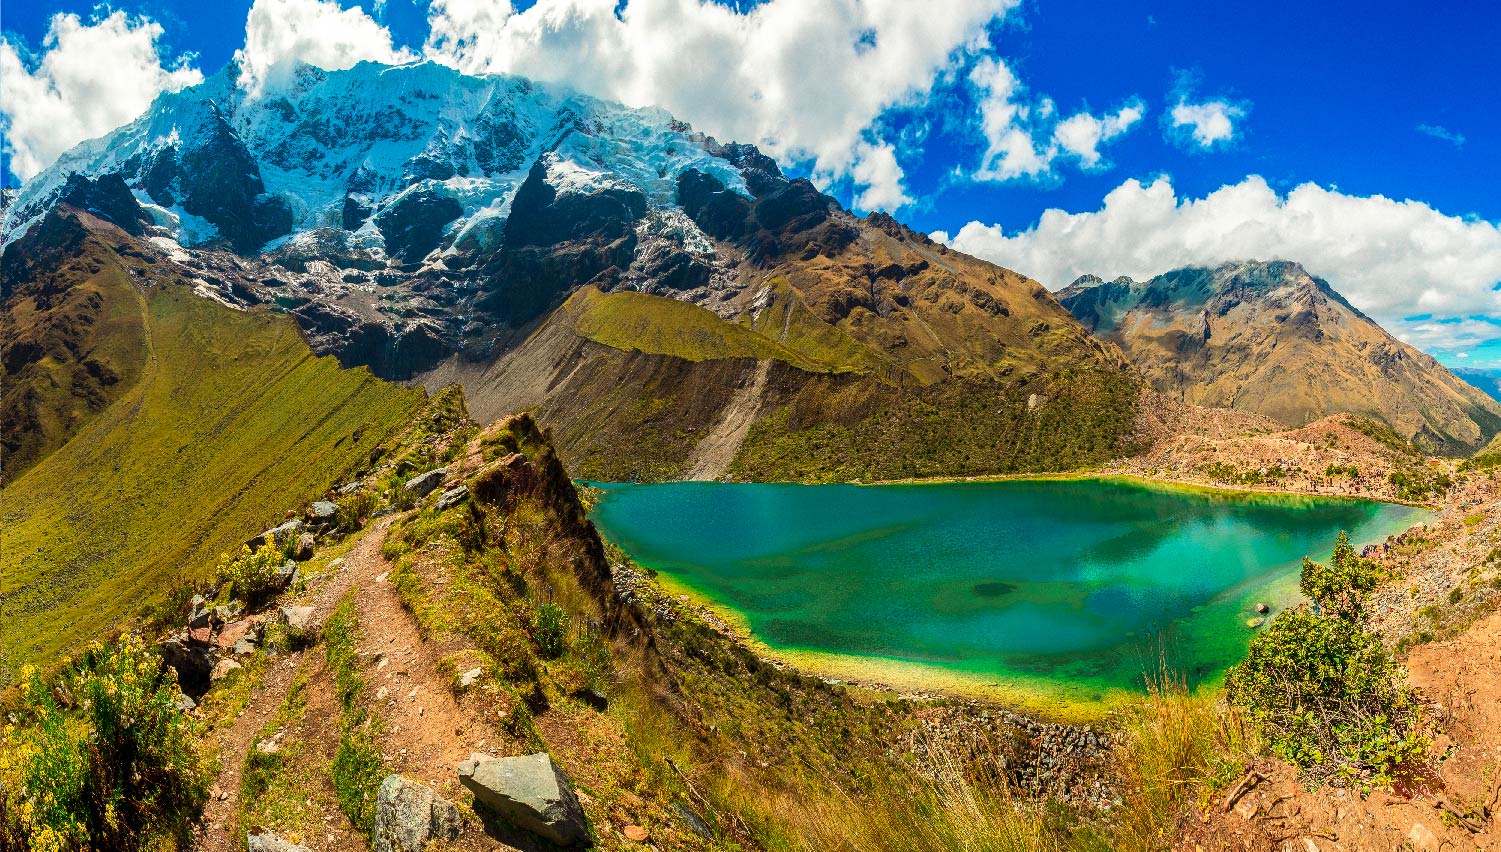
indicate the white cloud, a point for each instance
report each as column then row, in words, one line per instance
column 279, row 34
column 807, row 79
column 1444, row 133
column 1207, row 124
column 1082, row 134
column 1022, row 135
column 876, row 169
column 91, row 78
column 1392, row 259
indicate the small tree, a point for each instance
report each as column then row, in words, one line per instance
column 1324, row 691
column 1339, row 588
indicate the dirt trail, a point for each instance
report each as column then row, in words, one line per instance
column 235, row 740
column 426, row 732
column 714, row 453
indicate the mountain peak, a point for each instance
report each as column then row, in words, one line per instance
column 1270, row 338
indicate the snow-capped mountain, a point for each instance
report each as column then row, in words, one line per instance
column 346, row 149
column 655, row 295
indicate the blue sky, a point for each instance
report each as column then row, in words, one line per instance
column 1375, row 104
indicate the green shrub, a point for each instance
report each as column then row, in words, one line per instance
column 354, row 510
column 1340, row 586
column 102, row 758
column 1334, row 470
column 550, row 629
column 251, row 577
column 1417, row 484
column 1329, row 699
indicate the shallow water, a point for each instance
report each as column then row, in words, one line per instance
column 1076, row 587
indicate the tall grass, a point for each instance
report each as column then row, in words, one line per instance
column 1175, row 748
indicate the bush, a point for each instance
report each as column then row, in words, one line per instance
column 354, row 510
column 1328, row 698
column 251, row 577
column 1340, row 586
column 550, row 629
column 1325, row 692
column 103, row 759
column 1417, row 484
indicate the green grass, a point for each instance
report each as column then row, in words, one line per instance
column 358, row 766
column 661, row 326
column 232, row 422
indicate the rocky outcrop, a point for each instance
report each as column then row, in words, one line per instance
column 413, row 226
column 528, row 792
column 423, row 484
column 108, row 198
column 409, row 815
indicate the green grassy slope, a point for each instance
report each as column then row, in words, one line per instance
column 232, row 421
column 657, row 325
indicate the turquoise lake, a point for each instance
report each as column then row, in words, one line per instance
column 1071, row 589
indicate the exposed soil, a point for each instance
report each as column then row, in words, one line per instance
column 712, row 457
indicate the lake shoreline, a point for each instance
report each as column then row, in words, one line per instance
column 1048, row 698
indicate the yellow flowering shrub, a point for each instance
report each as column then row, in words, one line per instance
column 251, row 576
column 101, row 758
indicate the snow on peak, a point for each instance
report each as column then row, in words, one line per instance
column 331, row 141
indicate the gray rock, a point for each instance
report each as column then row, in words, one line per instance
column 695, row 822
column 351, row 487
column 426, row 482
column 469, row 678
column 261, row 840
column 408, row 815
column 243, row 647
column 280, row 536
column 304, row 550
column 299, row 619
column 453, row 497
column 185, row 703
column 228, row 612
column 288, row 575
column 529, row 792
column 322, row 511
column 1263, row 608
column 198, row 613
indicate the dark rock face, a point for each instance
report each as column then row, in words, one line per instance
column 109, row 199
column 554, row 243
column 542, row 217
column 718, row 211
column 220, row 181
column 413, row 226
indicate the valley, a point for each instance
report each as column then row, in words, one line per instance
column 408, row 459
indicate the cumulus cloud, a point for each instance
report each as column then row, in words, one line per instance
column 50, row 105
column 279, row 34
column 807, row 79
column 1023, row 135
column 1206, row 124
column 1392, row 259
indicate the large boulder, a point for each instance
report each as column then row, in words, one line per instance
column 421, row 484
column 408, row 815
column 193, row 661
column 529, row 792
column 280, row 536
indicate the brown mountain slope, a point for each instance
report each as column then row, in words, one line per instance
column 869, row 354
column 1268, row 338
